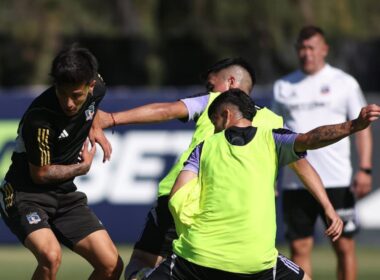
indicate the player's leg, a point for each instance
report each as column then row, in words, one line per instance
column 99, row 250
column 343, row 201
column 47, row 250
column 300, row 214
column 344, row 248
column 155, row 242
column 29, row 221
column 78, row 228
column 300, row 252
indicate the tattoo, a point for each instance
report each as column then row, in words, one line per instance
column 61, row 173
column 325, row 135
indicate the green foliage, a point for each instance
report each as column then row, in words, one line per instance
column 32, row 31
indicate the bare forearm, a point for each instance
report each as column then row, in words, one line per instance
column 58, row 173
column 312, row 181
column 324, row 135
column 150, row 113
column 364, row 147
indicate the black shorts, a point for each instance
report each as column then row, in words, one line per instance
column 159, row 231
column 301, row 211
column 177, row 268
column 67, row 215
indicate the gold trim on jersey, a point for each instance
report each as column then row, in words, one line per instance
column 43, row 145
column 8, row 195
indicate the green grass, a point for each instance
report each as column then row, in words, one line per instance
column 16, row 262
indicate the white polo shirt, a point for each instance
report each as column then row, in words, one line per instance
column 307, row 101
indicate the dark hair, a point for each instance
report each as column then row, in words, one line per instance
column 227, row 62
column 74, row 65
column 309, row 31
column 235, row 97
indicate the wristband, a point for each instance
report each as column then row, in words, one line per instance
column 366, row 170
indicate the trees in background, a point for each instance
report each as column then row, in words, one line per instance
column 167, row 42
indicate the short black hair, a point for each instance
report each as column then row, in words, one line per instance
column 74, row 65
column 227, row 62
column 235, row 97
column 309, row 31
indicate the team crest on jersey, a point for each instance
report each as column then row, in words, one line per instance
column 90, row 112
column 33, row 218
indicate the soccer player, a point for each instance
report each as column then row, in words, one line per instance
column 39, row 201
column 155, row 243
column 316, row 95
column 232, row 235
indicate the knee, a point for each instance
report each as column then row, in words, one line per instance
column 50, row 258
column 113, row 269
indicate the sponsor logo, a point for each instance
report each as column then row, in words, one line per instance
column 33, row 218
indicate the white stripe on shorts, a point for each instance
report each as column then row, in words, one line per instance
column 291, row 265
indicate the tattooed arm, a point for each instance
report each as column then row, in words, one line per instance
column 326, row 135
column 48, row 174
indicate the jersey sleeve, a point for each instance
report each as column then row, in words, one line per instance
column 284, row 140
column 196, row 105
column 38, row 138
column 193, row 162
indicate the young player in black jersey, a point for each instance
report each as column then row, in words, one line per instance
column 39, row 200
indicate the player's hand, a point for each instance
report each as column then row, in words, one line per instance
column 87, row 155
column 335, row 224
column 362, row 184
column 367, row 115
column 96, row 135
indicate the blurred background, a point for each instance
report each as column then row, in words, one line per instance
column 154, row 51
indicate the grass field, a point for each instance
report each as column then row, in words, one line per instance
column 17, row 263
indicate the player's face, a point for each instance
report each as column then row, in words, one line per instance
column 72, row 97
column 217, row 82
column 312, row 53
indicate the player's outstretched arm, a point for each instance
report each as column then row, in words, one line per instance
column 150, row 113
column 326, row 135
column 313, row 183
column 56, row 173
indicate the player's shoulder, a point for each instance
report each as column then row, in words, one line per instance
column 340, row 75
column 266, row 118
column 43, row 107
column 291, row 78
column 198, row 95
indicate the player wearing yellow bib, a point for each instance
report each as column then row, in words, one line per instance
column 232, row 234
column 155, row 242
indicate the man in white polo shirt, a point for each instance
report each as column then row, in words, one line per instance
column 316, row 95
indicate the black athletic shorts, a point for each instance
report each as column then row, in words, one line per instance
column 177, row 268
column 66, row 214
column 159, row 231
column 301, row 211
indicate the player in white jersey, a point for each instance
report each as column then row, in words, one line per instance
column 316, row 95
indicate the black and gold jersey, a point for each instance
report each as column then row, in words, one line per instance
column 47, row 136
